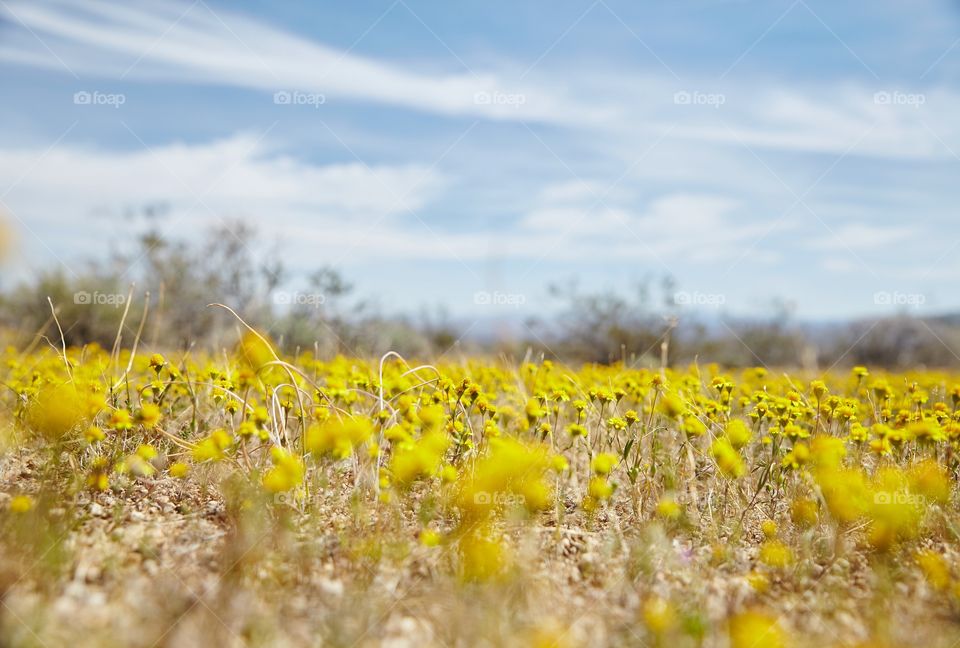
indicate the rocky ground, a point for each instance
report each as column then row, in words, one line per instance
column 171, row 562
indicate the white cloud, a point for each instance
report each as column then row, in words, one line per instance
column 856, row 236
column 840, row 119
column 673, row 229
column 344, row 213
column 74, row 199
column 841, row 264
column 184, row 42
column 231, row 173
column 571, row 190
column 698, row 198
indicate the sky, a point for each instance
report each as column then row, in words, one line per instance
column 467, row 154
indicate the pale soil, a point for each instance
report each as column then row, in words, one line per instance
column 165, row 563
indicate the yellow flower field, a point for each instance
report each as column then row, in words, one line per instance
column 248, row 498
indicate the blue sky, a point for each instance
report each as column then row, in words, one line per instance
column 803, row 151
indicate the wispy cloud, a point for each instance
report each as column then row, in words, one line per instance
column 196, row 44
column 374, row 212
column 866, row 236
column 707, row 173
column 203, row 184
column 674, row 230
